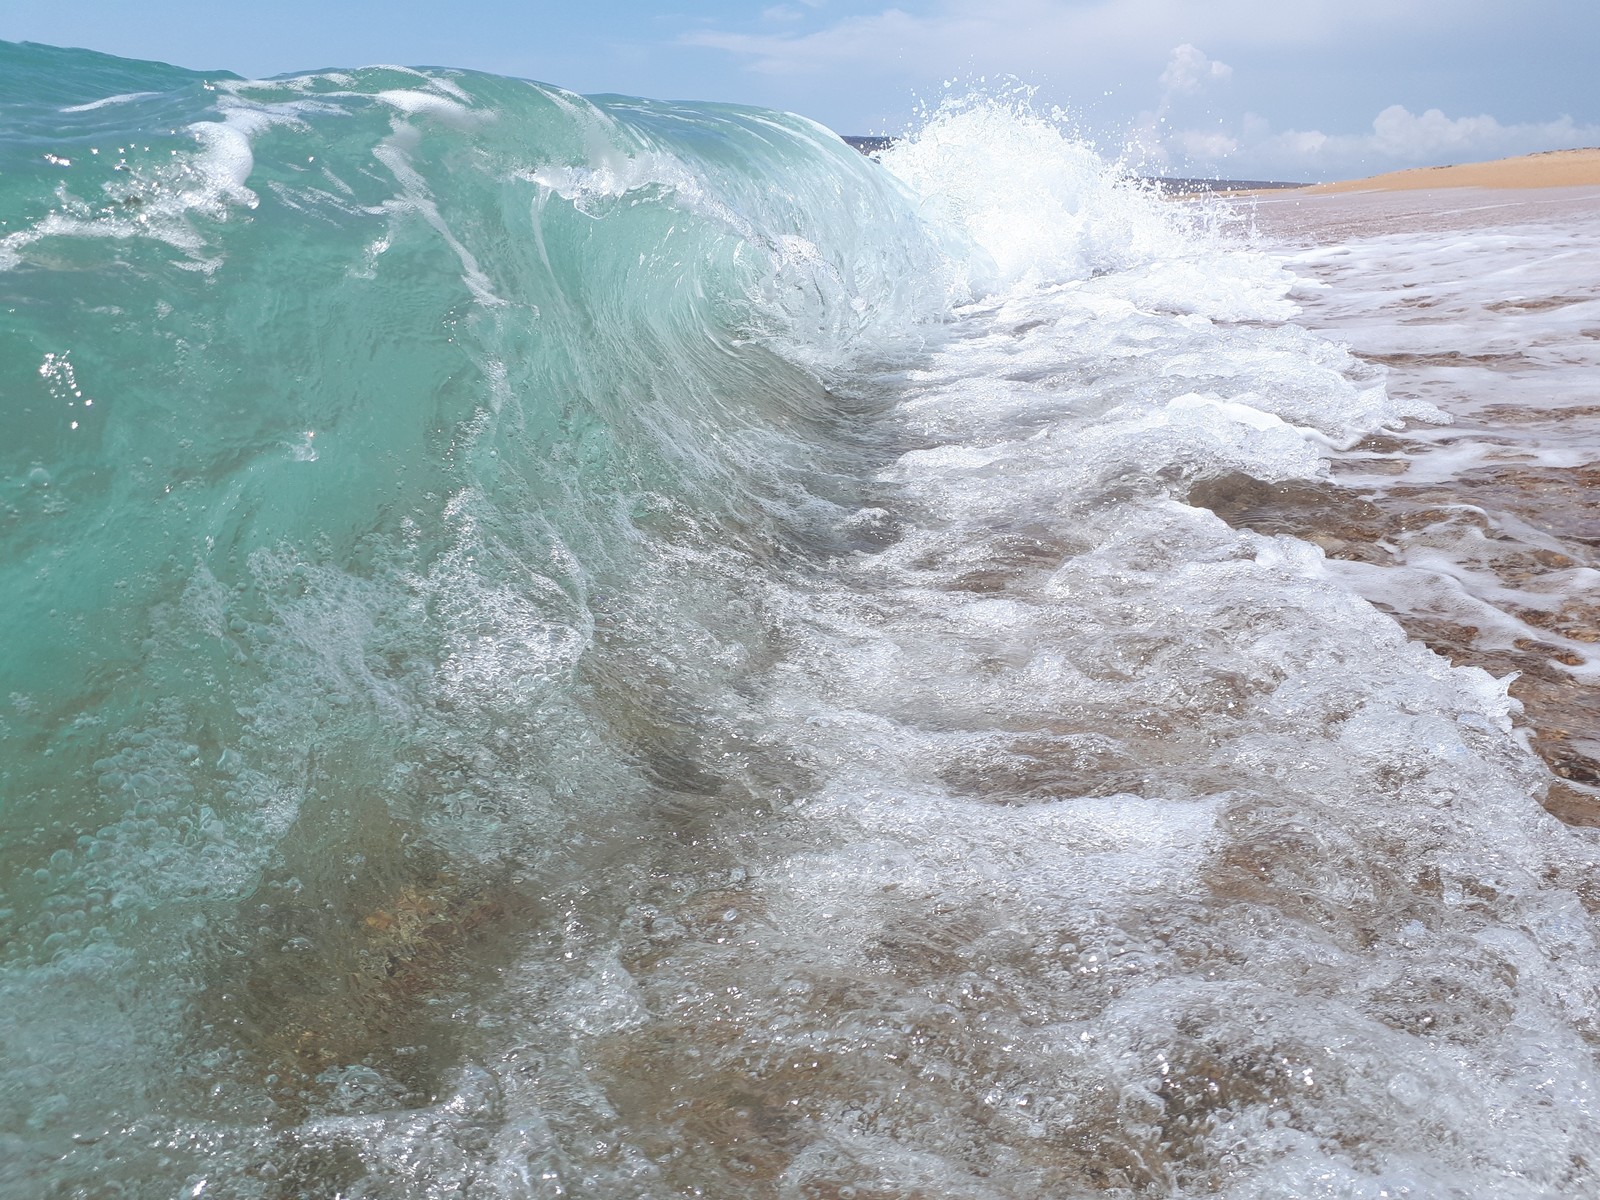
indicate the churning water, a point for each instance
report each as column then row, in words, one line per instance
column 587, row 647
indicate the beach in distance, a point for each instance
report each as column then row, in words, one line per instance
column 564, row 645
column 1551, row 169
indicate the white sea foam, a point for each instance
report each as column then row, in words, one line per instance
column 1509, row 348
column 420, row 103
column 124, row 98
column 1056, row 624
column 896, row 780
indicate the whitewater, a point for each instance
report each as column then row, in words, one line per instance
column 566, row 646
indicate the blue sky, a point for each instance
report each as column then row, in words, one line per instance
column 1296, row 89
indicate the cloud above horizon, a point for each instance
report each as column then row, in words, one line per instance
column 1246, row 88
column 1189, row 71
column 1017, row 35
column 1229, row 84
column 1400, row 137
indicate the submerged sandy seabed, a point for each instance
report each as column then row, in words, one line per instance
column 1482, row 537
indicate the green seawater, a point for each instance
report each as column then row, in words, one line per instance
column 382, row 455
column 559, row 646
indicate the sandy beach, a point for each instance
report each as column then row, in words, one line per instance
column 1547, row 169
column 1553, row 168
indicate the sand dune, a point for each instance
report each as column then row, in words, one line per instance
column 1553, row 168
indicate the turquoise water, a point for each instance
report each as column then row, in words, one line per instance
column 345, row 466
column 585, row 646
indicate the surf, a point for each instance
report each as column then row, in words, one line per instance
column 585, row 645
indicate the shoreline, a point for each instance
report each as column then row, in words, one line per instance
column 1507, row 357
column 1541, row 169
column 1546, row 169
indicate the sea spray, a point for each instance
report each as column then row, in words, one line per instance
column 601, row 647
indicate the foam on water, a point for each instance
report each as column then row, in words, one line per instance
column 613, row 648
column 1487, row 546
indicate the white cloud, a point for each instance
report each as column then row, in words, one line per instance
column 847, row 43
column 1398, row 138
column 789, row 13
column 1085, row 52
column 1400, row 133
column 1152, row 144
column 1300, row 146
column 1022, row 36
column 1189, row 70
column 1198, row 145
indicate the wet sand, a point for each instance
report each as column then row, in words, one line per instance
column 1481, row 536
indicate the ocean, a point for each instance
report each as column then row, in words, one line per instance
column 565, row 646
